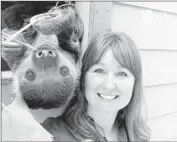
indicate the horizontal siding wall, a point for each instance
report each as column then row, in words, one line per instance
column 163, row 128
column 149, row 28
column 154, row 32
column 162, row 6
column 161, row 100
column 159, row 66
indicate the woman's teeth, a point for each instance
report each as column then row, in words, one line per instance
column 108, row 97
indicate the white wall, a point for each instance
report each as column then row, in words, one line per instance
column 162, row 6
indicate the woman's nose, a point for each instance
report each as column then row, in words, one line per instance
column 110, row 82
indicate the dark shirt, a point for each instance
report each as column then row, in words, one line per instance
column 59, row 130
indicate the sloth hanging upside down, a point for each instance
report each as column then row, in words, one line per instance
column 44, row 56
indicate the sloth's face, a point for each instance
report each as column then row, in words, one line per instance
column 46, row 77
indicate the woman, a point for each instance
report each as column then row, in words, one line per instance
column 110, row 105
column 111, row 91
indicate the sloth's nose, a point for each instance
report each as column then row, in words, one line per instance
column 45, row 54
column 45, row 58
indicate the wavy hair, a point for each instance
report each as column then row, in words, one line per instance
column 131, row 120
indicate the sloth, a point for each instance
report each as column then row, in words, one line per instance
column 44, row 57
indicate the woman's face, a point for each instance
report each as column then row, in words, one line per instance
column 108, row 86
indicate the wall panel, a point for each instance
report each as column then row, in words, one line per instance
column 159, row 67
column 161, row 99
column 163, row 6
column 163, row 128
column 149, row 29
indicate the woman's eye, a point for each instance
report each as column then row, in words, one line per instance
column 122, row 74
column 99, row 71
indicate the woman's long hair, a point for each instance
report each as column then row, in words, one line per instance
column 131, row 120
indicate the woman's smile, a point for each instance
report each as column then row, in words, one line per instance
column 107, row 97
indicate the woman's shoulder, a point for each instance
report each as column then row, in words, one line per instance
column 58, row 128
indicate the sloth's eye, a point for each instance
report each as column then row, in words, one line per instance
column 30, row 75
column 64, row 70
